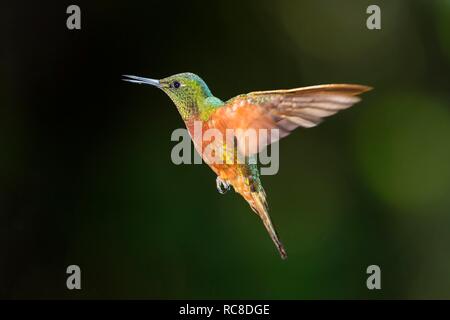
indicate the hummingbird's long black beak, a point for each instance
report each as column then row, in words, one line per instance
column 141, row 80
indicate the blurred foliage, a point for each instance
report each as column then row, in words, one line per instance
column 86, row 175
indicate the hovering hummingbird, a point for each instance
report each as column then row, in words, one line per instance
column 284, row 110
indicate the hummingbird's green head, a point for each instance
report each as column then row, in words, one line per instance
column 187, row 90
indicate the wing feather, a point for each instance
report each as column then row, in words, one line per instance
column 284, row 110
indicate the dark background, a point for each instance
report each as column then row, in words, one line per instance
column 86, row 176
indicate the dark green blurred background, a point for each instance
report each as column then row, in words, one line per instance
column 86, row 176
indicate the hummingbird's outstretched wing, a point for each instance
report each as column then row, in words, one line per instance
column 285, row 110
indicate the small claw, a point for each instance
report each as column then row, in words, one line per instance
column 222, row 186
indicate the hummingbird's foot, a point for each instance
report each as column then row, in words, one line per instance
column 222, row 186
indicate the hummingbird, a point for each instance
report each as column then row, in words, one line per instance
column 284, row 110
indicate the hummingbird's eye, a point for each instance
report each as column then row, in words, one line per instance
column 176, row 84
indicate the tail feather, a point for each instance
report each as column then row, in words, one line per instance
column 259, row 205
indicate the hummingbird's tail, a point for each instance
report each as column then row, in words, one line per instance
column 259, row 205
